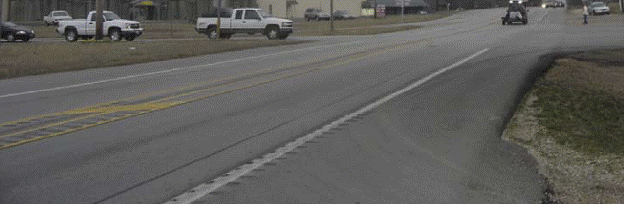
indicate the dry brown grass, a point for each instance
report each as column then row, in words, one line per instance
column 365, row 26
column 572, row 122
column 30, row 59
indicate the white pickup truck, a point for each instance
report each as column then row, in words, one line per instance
column 113, row 27
column 55, row 16
column 244, row 20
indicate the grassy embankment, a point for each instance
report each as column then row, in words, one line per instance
column 572, row 121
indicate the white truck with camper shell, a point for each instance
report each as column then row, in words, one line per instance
column 244, row 20
column 55, row 16
column 113, row 26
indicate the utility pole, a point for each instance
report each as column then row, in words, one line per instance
column 621, row 10
column 219, row 20
column 331, row 15
column 99, row 19
column 5, row 10
column 375, row 9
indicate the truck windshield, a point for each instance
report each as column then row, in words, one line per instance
column 111, row 16
column 63, row 13
column 598, row 4
column 264, row 14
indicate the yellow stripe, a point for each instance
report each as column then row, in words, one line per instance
column 147, row 107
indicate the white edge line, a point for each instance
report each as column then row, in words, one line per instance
column 168, row 70
column 206, row 188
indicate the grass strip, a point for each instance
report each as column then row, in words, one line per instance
column 23, row 59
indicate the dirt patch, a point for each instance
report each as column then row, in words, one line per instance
column 572, row 121
column 24, row 59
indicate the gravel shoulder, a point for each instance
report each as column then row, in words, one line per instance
column 571, row 121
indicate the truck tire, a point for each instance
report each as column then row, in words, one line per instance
column 283, row 36
column 212, row 33
column 114, row 35
column 71, row 35
column 272, row 32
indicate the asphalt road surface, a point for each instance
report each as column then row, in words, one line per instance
column 408, row 117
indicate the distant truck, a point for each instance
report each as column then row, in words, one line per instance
column 55, row 16
column 113, row 26
column 244, row 20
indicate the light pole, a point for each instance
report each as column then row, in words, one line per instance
column 403, row 11
column 621, row 9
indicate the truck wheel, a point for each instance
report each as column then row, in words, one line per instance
column 71, row 35
column 115, row 35
column 307, row 19
column 130, row 37
column 283, row 36
column 212, row 33
column 272, row 32
column 318, row 19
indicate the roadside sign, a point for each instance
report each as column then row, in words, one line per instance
column 381, row 10
column 400, row 2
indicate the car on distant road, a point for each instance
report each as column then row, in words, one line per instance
column 55, row 16
column 12, row 32
column 598, row 8
column 244, row 20
column 341, row 15
column 113, row 26
column 316, row 14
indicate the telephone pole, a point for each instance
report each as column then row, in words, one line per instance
column 375, row 9
column 331, row 15
column 5, row 10
column 219, row 20
column 99, row 19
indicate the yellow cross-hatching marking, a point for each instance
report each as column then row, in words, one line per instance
column 150, row 106
column 95, row 112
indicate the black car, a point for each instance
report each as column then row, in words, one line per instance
column 12, row 32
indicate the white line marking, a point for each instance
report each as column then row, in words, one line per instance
column 168, row 70
column 206, row 188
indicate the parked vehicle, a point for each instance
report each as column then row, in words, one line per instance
column 598, row 8
column 316, row 14
column 55, row 16
column 245, row 20
column 113, row 26
column 12, row 32
column 341, row 15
